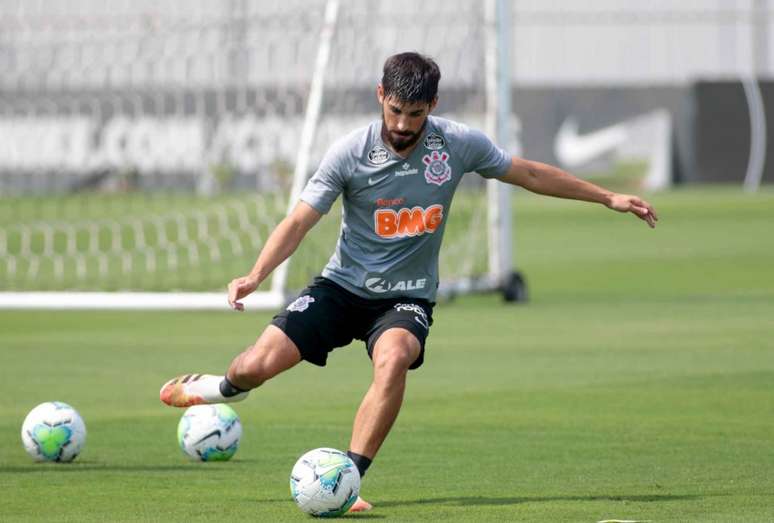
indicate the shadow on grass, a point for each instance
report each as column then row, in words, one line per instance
column 481, row 500
column 358, row 515
column 96, row 467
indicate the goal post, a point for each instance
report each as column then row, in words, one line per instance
column 311, row 119
column 147, row 163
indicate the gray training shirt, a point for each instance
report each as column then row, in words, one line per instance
column 395, row 209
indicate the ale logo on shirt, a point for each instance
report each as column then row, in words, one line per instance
column 438, row 171
column 416, row 221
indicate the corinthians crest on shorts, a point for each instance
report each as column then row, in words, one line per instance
column 301, row 304
column 438, row 170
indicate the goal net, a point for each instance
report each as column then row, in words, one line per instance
column 147, row 149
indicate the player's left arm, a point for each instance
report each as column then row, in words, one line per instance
column 546, row 179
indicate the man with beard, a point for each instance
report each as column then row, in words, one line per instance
column 397, row 178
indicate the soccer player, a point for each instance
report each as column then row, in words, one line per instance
column 397, row 178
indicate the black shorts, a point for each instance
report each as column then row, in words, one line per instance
column 326, row 316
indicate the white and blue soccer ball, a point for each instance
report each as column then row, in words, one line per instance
column 325, row 482
column 209, row 432
column 53, row 431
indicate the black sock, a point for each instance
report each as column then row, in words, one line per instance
column 228, row 389
column 361, row 462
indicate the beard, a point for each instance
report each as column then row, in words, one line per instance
column 400, row 141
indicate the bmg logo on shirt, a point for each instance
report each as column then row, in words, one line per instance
column 407, row 222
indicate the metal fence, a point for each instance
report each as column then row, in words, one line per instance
column 82, row 44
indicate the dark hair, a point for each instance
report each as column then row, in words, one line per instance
column 411, row 77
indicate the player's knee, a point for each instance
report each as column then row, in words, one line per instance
column 393, row 360
column 272, row 354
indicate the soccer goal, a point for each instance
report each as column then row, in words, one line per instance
column 147, row 151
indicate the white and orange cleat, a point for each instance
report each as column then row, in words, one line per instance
column 360, row 505
column 195, row 389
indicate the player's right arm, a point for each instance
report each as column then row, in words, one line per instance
column 316, row 199
column 282, row 242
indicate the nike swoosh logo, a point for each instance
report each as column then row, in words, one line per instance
column 215, row 432
column 317, row 474
column 374, row 182
column 574, row 150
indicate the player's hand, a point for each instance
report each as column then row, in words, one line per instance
column 238, row 289
column 635, row 205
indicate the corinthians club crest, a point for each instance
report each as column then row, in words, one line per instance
column 438, row 170
column 301, row 304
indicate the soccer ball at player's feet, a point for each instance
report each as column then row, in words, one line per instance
column 53, row 431
column 195, row 389
column 209, row 432
column 325, row 482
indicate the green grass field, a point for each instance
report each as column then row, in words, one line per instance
column 637, row 384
